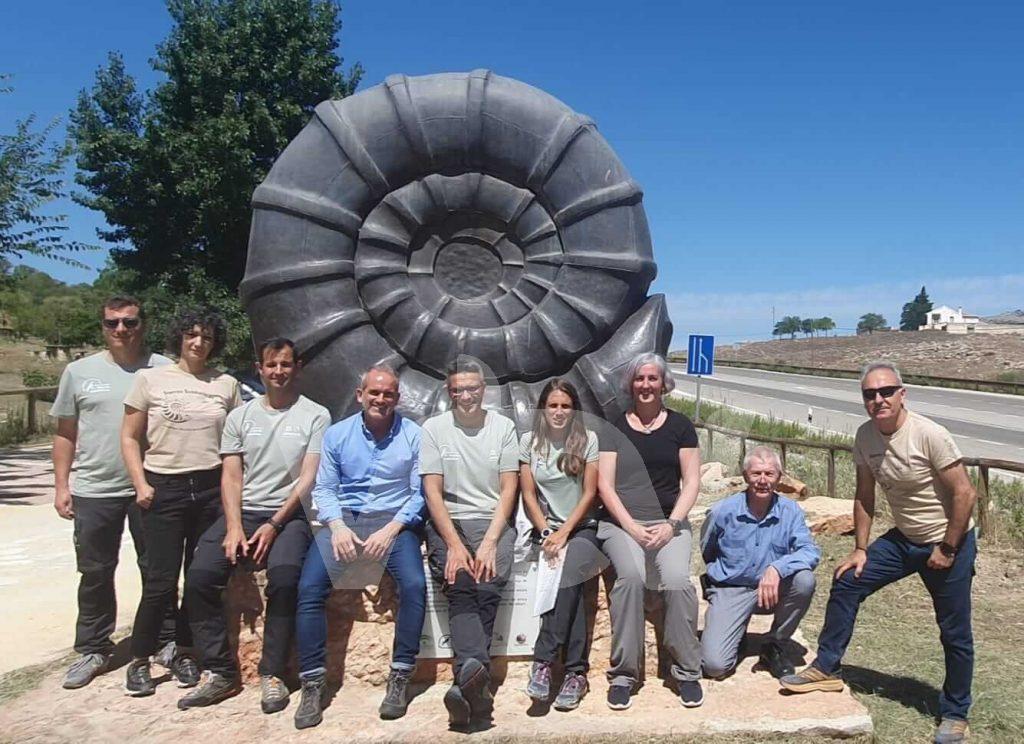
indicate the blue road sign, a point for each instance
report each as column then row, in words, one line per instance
column 700, row 360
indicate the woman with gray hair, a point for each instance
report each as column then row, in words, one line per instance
column 649, row 474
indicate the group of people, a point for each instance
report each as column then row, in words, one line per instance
column 207, row 483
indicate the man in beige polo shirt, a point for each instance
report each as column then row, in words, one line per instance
column 920, row 471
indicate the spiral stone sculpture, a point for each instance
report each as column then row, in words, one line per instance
column 454, row 214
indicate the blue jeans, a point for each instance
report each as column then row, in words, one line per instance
column 319, row 574
column 890, row 558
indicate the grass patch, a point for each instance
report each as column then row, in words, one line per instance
column 15, row 683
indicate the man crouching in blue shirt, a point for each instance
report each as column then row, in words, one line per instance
column 368, row 497
column 760, row 558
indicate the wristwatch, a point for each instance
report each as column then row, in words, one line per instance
column 676, row 525
column 947, row 550
column 546, row 533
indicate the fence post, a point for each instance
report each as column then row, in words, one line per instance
column 782, row 446
column 743, row 452
column 831, row 473
column 983, row 500
column 30, row 417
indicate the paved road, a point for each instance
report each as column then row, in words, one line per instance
column 983, row 424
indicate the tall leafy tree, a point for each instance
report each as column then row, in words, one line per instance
column 824, row 325
column 173, row 171
column 807, row 326
column 871, row 322
column 32, row 176
column 915, row 312
column 790, row 324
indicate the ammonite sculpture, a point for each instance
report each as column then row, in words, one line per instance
column 454, row 214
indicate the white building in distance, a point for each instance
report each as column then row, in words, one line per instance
column 945, row 318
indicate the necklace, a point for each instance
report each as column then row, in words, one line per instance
column 648, row 428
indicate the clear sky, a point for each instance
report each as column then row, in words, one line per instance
column 821, row 158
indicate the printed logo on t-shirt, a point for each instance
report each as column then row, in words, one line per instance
column 449, row 453
column 94, row 385
column 493, row 454
column 292, row 431
column 250, row 429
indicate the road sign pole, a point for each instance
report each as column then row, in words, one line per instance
column 696, row 413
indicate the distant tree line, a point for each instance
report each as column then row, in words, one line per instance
column 794, row 324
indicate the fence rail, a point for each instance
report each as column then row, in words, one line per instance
column 31, row 395
column 983, row 464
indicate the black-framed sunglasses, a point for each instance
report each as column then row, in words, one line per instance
column 886, row 392
column 112, row 323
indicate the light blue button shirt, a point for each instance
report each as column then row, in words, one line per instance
column 738, row 548
column 361, row 476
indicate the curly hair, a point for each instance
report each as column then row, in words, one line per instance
column 188, row 318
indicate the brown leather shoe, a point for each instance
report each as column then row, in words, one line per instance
column 812, row 679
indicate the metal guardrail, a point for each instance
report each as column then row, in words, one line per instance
column 31, row 395
column 983, row 464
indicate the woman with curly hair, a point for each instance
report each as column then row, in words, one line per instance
column 170, row 440
column 558, row 478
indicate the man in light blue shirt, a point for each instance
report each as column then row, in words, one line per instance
column 760, row 558
column 369, row 502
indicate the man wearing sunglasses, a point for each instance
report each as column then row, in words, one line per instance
column 88, row 408
column 920, row 470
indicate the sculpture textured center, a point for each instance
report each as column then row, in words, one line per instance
column 467, row 269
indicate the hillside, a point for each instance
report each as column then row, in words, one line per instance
column 977, row 356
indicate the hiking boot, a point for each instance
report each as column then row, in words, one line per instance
column 185, row 669
column 459, row 712
column 85, row 670
column 396, row 699
column 311, row 706
column 214, row 688
column 951, row 731
column 691, row 694
column 539, row 686
column 774, row 660
column 138, row 682
column 574, row 687
column 812, row 679
column 475, row 684
column 273, row 694
column 165, row 656
column 619, row 697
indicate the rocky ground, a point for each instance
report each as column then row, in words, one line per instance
column 977, row 356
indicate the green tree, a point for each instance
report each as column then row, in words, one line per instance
column 789, row 324
column 915, row 312
column 824, row 325
column 871, row 322
column 807, row 326
column 173, row 172
column 31, row 176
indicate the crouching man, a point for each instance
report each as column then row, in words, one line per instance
column 270, row 448
column 369, row 499
column 760, row 558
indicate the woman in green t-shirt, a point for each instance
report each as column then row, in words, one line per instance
column 558, row 478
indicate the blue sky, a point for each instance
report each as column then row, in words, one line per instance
column 821, row 158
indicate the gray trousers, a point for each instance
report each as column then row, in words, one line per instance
column 729, row 611
column 666, row 570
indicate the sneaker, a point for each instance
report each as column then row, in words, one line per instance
column 273, row 693
column 475, row 684
column 185, row 669
column 539, row 686
column 165, row 656
column 138, row 682
column 311, row 706
column 619, row 697
column 812, row 679
column 214, row 688
column 85, row 670
column 774, row 660
column 691, row 694
column 951, row 731
column 574, row 687
column 396, row 700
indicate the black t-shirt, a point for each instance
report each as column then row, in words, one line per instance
column 647, row 470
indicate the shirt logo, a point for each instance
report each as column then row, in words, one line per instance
column 291, row 431
column 95, row 385
column 250, row 429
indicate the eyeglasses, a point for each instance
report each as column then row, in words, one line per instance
column 455, row 392
column 886, row 392
column 113, row 323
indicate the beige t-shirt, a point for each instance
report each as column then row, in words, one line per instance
column 906, row 465
column 185, row 416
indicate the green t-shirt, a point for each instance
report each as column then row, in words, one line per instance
column 470, row 460
column 92, row 390
column 558, row 493
column 273, row 444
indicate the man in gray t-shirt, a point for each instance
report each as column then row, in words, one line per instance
column 270, row 448
column 469, row 460
column 88, row 409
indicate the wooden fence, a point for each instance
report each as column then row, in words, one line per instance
column 31, row 395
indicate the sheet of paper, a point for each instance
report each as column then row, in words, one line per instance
column 549, row 576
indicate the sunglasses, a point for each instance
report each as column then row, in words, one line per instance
column 886, row 392
column 113, row 323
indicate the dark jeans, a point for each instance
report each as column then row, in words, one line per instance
column 208, row 578
column 183, row 508
column 565, row 625
column 890, row 558
column 472, row 606
column 321, row 572
column 99, row 524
